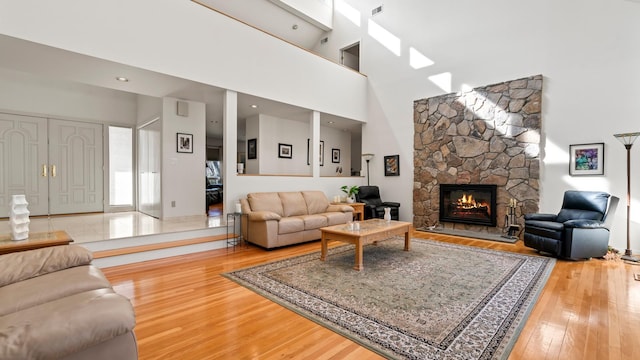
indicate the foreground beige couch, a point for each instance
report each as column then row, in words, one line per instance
column 55, row 305
column 275, row 219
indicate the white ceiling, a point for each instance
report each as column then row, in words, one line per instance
column 270, row 18
column 56, row 64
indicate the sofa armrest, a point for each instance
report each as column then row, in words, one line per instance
column 540, row 217
column 263, row 216
column 584, row 224
column 390, row 204
column 339, row 208
column 28, row 264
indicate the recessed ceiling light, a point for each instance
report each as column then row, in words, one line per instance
column 295, row 27
column 122, row 78
column 331, row 122
column 254, row 106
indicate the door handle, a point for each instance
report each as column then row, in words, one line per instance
column 53, row 171
column 44, row 170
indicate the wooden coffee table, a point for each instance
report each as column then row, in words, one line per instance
column 35, row 241
column 370, row 231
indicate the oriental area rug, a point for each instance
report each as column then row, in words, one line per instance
column 437, row 301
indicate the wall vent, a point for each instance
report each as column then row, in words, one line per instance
column 376, row 11
column 324, row 40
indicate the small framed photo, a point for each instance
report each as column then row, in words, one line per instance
column 392, row 165
column 335, row 156
column 252, row 151
column 586, row 159
column 184, row 143
column 285, row 151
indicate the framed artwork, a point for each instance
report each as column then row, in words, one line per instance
column 392, row 165
column 335, row 156
column 285, row 151
column 184, row 143
column 321, row 152
column 252, row 145
column 586, row 159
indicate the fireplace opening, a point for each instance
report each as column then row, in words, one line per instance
column 468, row 204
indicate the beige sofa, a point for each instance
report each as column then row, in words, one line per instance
column 274, row 219
column 55, row 305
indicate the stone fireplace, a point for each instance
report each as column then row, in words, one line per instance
column 487, row 136
column 468, row 204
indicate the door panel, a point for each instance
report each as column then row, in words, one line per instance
column 23, row 160
column 75, row 165
column 149, row 181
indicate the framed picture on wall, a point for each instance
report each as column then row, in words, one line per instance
column 252, row 151
column 392, row 165
column 586, row 159
column 184, row 143
column 285, row 151
column 335, row 156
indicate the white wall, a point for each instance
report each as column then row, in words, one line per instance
column 274, row 131
column 149, row 108
column 585, row 49
column 271, row 131
column 33, row 95
column 336, row 139
column 187, row 40
column 183, row 174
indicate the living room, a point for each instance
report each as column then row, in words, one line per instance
column 583, row 50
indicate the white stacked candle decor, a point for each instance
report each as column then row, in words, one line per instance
column 19, row 217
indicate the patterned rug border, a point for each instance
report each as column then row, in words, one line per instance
column 519, row 318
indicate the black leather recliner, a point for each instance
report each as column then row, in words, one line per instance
column 373, row 205
column 578, row 231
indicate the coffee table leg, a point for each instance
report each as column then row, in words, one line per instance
column 358, row 265
column 407, row 241
column 323, row 247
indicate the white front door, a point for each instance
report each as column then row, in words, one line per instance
column 23, row 162
column 75, row 167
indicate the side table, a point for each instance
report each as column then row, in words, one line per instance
column 358, row 209
column 34, row 241
column 234, row 221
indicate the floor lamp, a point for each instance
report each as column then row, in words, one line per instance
column 627, row 140
column 367, row 157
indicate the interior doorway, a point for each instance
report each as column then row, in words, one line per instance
column 149, row 168
column 350, row 56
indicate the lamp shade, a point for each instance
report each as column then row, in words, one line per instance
column 367, row 156
column 627, row 138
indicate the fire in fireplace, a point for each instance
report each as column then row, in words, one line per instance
column 468, row 204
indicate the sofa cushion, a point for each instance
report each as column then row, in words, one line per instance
column 266, row 201
column 27, row 293
column 288, row 225
column 293, row 203
column 317, row 201
column 27, row 264
column 61, row 327
column 314, row 221
column 336, row 218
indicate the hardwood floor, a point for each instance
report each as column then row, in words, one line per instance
column 186, row 310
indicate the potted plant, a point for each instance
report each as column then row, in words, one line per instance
column 351, row 192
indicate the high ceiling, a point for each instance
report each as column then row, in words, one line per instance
column 23, row 58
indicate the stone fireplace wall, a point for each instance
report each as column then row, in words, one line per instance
column 489, row 135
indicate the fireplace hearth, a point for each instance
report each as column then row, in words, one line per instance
column 468, row 204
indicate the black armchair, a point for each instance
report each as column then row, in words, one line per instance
column 578, row 231
column 373, row 205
